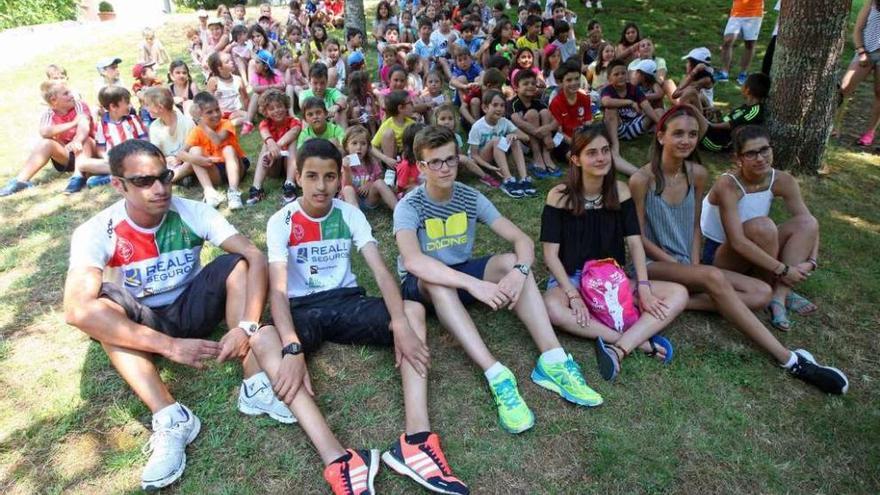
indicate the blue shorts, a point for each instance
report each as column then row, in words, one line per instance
column 476, row 268
column 709, row 248
column 574, row 278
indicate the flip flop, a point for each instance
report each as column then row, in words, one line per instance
column 608, row 360
column 799, row 304
column 779, row 321
column 659, row 340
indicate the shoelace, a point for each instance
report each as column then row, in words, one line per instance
column 346, row 478
column 507, row 394
column 574, row 372
column 438, row 460
column 157, row 440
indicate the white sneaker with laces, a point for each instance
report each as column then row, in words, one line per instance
column 167, row 446
column 256, row 397
column 233, row 197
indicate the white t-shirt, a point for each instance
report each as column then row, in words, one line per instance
column 442, row 41
column 317, row 250
column 161, row 136
column 154, row 265
column 481, row 132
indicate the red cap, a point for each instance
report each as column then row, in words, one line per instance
column 138, row 70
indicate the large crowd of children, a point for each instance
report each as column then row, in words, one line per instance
column 459, row 85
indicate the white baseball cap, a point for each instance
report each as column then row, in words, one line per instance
column 647, row 66
column 701, row 54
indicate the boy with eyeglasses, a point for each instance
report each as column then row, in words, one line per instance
column 136, row 285
column 435, row 227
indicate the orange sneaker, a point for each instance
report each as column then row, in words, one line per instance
column 354, row 476
column 426, row 464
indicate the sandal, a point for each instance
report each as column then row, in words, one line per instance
column 779, row 318
column 799, row 304
column 661, row 341
column 608, row 357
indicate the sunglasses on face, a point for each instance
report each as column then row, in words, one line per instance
column 144, row 181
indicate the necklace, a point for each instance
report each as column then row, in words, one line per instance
column 593, row 203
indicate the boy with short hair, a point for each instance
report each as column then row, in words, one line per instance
column 533, row 118
column 565, row 40
column 116, row 126
column 315, row 298
column 628, row 113
column 65, row 135
column 468, row 38
column 570, row 107
column 495, row 141
column 435, row 227
column 144, row 77
column 464, row 81
column 334, row 101
column 214, row 138
column 108, row 70
column 532, row 39
column 754, row 91
column 387, row 143
column 317, row 126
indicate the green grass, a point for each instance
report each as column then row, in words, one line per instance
column 721, row 419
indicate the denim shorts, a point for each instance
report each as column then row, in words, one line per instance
column 574, row 278
column 709, row 248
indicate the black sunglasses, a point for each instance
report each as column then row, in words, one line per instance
column 145, row 181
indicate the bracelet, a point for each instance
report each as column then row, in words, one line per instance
column 784, row 271
column 813, row 262
column 266, row 140
column 645, row 282
column 861, row 50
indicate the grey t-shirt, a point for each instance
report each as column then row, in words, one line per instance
column 445, row 230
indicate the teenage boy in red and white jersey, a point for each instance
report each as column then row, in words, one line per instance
column 135, row 284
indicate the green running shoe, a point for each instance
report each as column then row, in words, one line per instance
column 513, row 413
column 566, row 380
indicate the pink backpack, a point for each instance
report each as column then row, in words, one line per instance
column 606, row 291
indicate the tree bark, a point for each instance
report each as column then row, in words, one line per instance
column 354, row 16
column 805, row 74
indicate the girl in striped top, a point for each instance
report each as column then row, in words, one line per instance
column 667, row 193
column 866, row 38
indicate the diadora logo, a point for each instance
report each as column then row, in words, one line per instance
column 452, row 232
column 133, row 277
column 302, row 255
column 124, row 249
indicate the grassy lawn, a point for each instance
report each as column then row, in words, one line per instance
column 721, row 419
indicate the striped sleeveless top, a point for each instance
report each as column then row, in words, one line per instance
column 871, row 33
column 671, row 226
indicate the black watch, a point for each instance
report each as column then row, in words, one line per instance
column 522, row 268
column 291, row 349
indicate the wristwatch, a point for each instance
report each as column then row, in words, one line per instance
column 249, row 327
column 522, row 268
column 291, row 349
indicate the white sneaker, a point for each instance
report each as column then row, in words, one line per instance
column 256, row 397
column 233, row 197
column 167, row 444
column 599, row 5
column 588, row 4
column 213, row 199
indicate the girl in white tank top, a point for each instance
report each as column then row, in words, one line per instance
column 751, row 205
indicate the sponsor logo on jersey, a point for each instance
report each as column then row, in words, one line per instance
column 302, row 255
column 133, row 278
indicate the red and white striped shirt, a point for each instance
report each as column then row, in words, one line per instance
column 51, row 118
column 110, row 134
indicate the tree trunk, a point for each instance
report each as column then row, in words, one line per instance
column 354, row 16
column 805, row 75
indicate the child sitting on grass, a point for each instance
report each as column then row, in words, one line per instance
column 144, row 77
column 315, row 117
column 263, row 78
column 534, row 118
column 335, row 102
column 169, row 130
column 229, row 91
column 214, row 139
column 628, row 114
column 388, row 140
column 408, row 175
column 279, row 132
column 181, row 84
column 494, row 140
column 65, row 130
column 719, row 135
column 363, row 108
column 116, row 126
column 464, row 81
column 445, row 116
column 364, row 186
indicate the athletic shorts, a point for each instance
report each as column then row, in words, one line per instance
column 197, row 310
column 68, row 167
column 709, row 249
column 633, row 128
column 476, row 268
column 750, row 27
column 343, row 316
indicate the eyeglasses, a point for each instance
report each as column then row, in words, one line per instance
column 144, row 181
column 437, row 164
column 752, row 155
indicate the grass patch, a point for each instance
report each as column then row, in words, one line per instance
column 722, row 418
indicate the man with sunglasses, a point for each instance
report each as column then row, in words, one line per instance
column 135, row 284
column 435, row 227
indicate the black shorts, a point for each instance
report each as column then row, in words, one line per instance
column 245, row 165
column 560, row 153
column 343, row 316
column 709, row 249
column 69, row 167
column 197, row 310
column 476, row 268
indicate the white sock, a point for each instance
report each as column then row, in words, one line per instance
column 172, row 414
column 553, row 356
column 494, row 370
column 257, row 379
column 792, row 360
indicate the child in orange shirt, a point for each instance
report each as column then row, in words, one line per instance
column 217, row 156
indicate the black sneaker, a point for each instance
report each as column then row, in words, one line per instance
column 825, row 378
column 288, row 193
column 511, row 188
column 255, row 195
column 527, row 187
